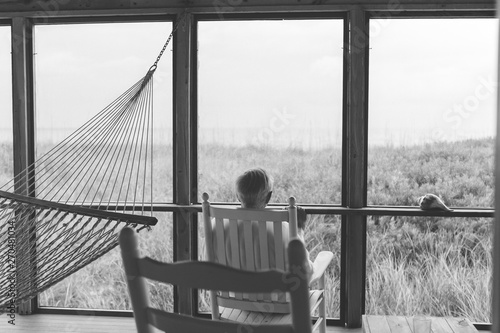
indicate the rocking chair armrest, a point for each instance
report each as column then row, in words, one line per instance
column 320, row 264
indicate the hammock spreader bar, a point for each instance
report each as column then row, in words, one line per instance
column 35, row 203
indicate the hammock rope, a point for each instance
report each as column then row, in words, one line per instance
column 66, row 209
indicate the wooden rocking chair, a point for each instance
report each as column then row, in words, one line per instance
column 211, row 276
column 254, row 240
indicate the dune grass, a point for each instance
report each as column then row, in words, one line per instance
column 415, row 265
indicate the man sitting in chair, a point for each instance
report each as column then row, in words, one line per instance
column 254, row 189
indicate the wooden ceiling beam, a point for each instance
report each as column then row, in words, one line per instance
column 67, row 8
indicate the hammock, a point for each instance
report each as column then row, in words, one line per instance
column 67, row 208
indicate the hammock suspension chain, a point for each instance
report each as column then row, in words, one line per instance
column 176, row 26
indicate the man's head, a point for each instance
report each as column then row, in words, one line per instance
column 254, row 188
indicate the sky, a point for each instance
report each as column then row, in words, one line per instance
column 275, row 81
column 434, row 77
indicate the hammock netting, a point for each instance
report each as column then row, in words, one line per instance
column 67, row 208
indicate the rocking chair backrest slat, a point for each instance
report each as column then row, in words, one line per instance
column 219, row 229
column 249, row 252
column 235, row 249
column 280, row 255
column 278, row 245
column 264, row 245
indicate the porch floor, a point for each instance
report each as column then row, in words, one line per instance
column 51, row 323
